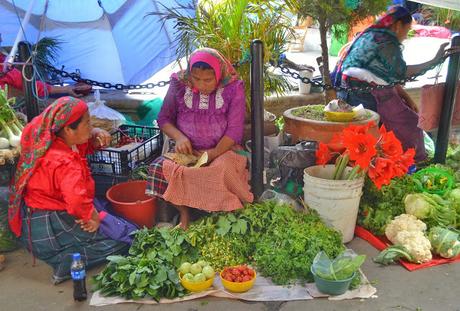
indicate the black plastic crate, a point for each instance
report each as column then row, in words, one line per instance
column 120, row 163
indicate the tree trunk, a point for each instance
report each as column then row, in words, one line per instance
column 330, row 93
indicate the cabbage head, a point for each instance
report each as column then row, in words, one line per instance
column 417, row 205
column 444, row 242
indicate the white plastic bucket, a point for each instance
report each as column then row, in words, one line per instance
column 304, row 88
column 336, row 201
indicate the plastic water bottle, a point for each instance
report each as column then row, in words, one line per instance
column 77, row 270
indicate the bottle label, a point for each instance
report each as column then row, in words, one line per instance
column 78, row 275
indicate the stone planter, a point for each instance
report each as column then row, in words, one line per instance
column 307, row 129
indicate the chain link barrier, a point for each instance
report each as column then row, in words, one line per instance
column 284, row 69
column 118, row 86
column 366, row 89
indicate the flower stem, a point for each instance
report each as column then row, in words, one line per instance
column 340, row 166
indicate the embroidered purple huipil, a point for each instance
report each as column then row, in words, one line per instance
column 205, row 119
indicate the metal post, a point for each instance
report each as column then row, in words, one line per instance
column 257, row 117
column 31, row 102
column 447, row 111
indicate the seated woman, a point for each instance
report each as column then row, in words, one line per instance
column 375, row 58
column 52, row 207
column 203, row 110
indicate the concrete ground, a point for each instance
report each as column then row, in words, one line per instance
column 23, row 287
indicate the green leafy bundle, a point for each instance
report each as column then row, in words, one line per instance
column 279, row 241
column 378, row 207
column 150, row 270
column 285, row 242
column 221, row 240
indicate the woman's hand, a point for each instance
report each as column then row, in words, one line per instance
column 183, row 145
column 91, row 225
column 443, row 52
column 212, row 154
column 100, row 138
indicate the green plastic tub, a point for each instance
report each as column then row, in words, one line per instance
column 331, row 287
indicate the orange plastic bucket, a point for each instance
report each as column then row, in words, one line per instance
column 130, row 201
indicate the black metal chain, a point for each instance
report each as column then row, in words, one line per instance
column 107, row 85
column 118, row 86
column 364, row 89
column 284, row 69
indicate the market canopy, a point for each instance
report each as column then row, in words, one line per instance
column 106, row 40
column 448, row 4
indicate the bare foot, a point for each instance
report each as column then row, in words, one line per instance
column 183, row 226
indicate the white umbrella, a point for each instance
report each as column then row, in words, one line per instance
column 106, row 40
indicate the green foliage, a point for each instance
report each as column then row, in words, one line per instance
column 230, row 26
column 150, row 270
column 220, row 239
column 378, row 207
column 334, row 12
column 46, row 53
column 279, row 241
column 445, row 17
column 285, row 241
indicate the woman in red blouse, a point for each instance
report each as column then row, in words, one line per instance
column 13, row 77
column 52, row 207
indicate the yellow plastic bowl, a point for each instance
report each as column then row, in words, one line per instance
column 196, row 287
column 340, row 116
column 238, row 287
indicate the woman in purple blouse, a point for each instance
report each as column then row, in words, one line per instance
column 203, row 110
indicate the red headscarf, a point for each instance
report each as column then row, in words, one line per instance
column 36, row 139
column 223, row 69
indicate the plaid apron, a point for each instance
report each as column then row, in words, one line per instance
column 53, row 236
column 156, row 181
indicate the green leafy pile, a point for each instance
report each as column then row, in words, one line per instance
column 279, row 241
column 285, row 242
column 221, row 240
column 150, row 270
column 378, row 207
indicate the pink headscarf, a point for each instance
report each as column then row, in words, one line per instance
column 224, row 71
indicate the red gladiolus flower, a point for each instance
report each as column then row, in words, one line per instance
column 390, row 145
column 323, row 155
column 361, row 148
column 403, row 162
column 382, row 172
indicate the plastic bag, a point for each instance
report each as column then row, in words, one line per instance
column 341, row 268
column 289, row 163
column 271, row 195
column 7, row 239
column 102, row 116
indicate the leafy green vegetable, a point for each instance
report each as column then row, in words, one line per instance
column 431, row 208
column 444, row 242
column 150, row 270
column 454, row 199
column 378, row 207
column 279, row 241
column 220, row 240
column 285, row 241
column 390, row 254
column 340, row 268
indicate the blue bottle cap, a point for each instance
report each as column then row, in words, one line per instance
column 76, row 256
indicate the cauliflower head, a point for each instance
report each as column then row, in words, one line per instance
column 403, row 222
column 416, row 243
